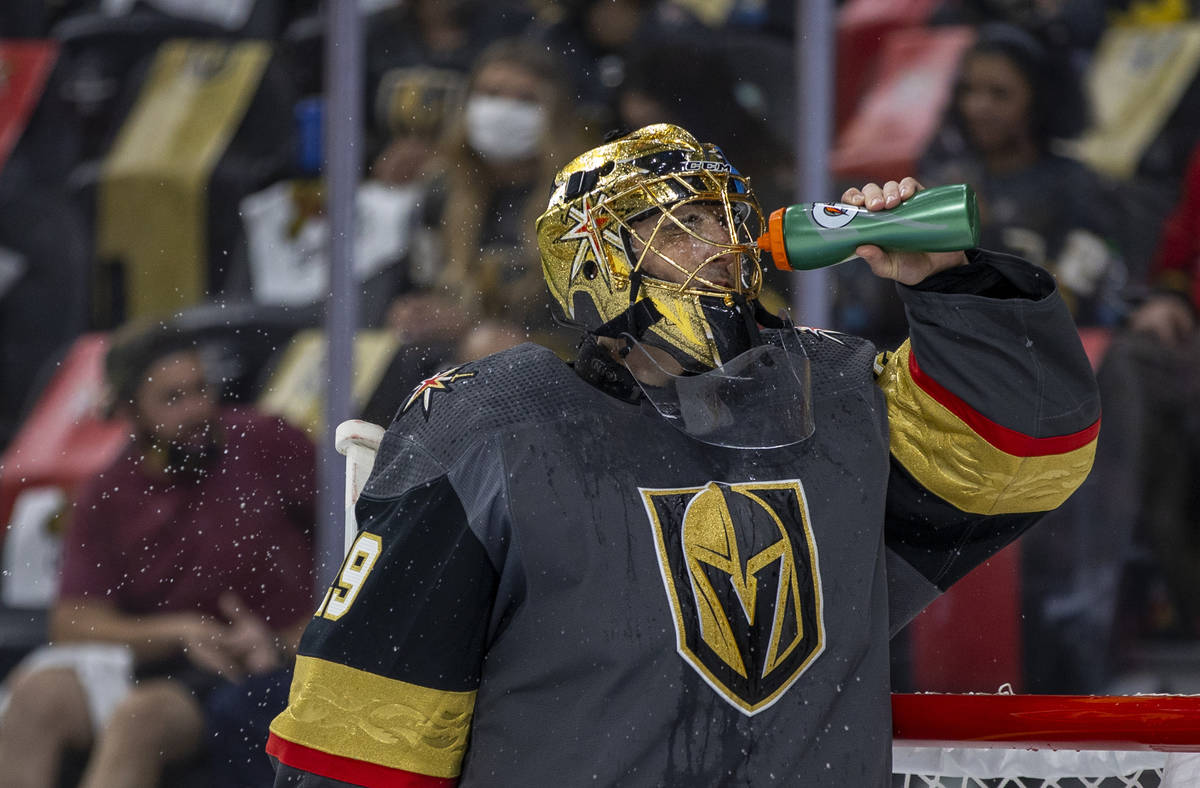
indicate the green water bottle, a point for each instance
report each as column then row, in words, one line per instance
column 813, row 235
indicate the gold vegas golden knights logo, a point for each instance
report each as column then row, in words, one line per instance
column 740, row 568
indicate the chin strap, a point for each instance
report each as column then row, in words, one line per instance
column 633, row 321
column 595, row 366
column 766, row 319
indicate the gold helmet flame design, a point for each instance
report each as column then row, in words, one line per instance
column 587, row 241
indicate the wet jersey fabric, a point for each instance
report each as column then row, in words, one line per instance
column 552, row 586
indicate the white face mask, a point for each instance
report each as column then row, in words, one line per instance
column 504, row 130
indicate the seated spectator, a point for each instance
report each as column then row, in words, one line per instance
column 413, row 106
column 1005, row 119
column 1151, row 368
column 1141, row 495
column 516, row 129
column 185, row 585
column 1002, row 126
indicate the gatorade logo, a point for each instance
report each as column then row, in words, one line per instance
column 833, row 215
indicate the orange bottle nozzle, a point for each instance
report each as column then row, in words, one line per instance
column 771, row 242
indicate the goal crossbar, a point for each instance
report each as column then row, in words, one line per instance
column 1166, row 723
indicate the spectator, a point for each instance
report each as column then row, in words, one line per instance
column 1002, row 125
column 660, row 86
column 1071, row 26
column 413, row 106
column 188, row 560
column 516, row 129
column 1152, row 385
column 1141, row 492
column 443, row 34
column 595, row 39
column 486, row 338
column 1001, row 129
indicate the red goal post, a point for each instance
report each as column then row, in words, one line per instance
column 1045, row 741
column 1140, row 722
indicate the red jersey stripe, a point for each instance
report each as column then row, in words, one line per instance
column 337, row 767
column 1007, row 440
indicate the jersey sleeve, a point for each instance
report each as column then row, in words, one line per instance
column 993, row 414
column 386, row 674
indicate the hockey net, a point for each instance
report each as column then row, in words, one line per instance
column 1045, row 741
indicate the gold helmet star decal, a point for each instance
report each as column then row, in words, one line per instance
column 591, row 230
column 439, row 382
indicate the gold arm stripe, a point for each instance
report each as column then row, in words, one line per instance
column 958, row 464
column 356, row 714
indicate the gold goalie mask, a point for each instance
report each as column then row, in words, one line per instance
column 595, row 261
column 652, row 238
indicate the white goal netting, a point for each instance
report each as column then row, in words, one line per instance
column 968, row 767
column 1014, row 741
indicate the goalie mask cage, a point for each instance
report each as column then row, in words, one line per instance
column 1045, row 741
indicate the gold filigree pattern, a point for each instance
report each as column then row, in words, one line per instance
column 957, row 464
column 361, row 715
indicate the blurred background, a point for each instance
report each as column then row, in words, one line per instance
column 166, row 160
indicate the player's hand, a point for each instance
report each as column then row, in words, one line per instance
column 248, row 639
column 907, row 268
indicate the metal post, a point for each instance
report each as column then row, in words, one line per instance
column 343, row 150
column 814, row 117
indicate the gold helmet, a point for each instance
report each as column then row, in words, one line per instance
column 587, row 243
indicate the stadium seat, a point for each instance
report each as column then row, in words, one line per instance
column 296, row 386
column 862, row 26
column 165, row 197
column 917, row 68
column 241, row 340
column 1144, row 87
column 1095, row 341
column 101, row 53
column 26, row 67
column 65, row 440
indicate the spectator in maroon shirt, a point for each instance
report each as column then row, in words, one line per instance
column 193, row 552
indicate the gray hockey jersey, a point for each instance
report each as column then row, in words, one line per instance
column 552, row 586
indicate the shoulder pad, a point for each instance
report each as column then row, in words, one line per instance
column 446, row 414
column 518, row 385
column 839, row 362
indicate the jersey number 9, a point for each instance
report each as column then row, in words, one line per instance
column 358, row 564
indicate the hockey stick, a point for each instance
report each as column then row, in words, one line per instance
column 359, row 441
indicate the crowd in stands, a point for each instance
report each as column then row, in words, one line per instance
column 161, row 165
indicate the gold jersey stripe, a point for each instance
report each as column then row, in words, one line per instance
column 152, row 199
column 948, row 458
column 356, row 714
